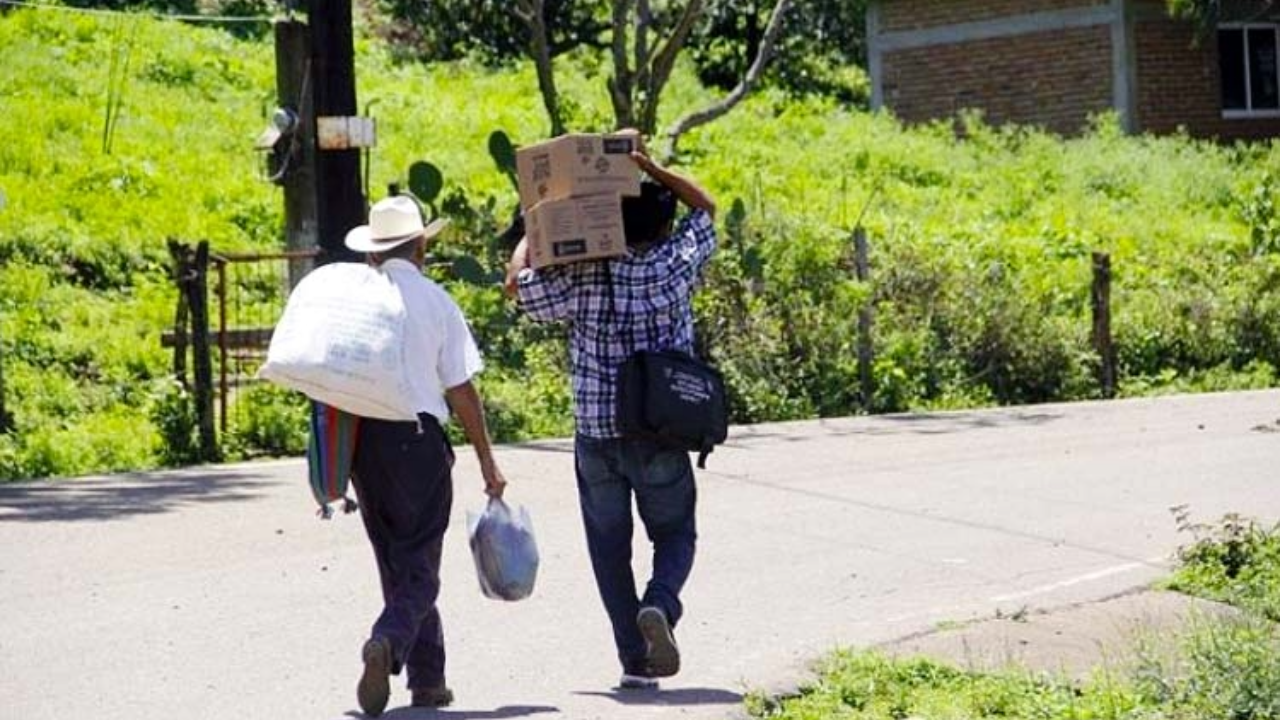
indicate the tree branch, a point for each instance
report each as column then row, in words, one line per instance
column 644, row 21
column 620, row 85
column 715, row 110
column 664, row 61
column 532, row 11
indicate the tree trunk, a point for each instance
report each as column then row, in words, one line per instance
column 664, row 61
column 623, row 81
column 533, row 14
column 715, row 110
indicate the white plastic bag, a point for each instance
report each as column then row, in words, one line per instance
column 341, row 341
column 505, row 551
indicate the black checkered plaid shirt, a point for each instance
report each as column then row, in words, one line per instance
column 650, row 311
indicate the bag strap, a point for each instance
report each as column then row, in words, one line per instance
column 707, row 449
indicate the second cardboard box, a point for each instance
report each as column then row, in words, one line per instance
column 573, row 229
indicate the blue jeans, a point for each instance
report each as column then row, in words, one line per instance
column 609, row 471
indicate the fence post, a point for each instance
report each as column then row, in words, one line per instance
column 1102, row 344
column 862, row 268
column 198, row 299
column 5, row 424
column 182, row 276
column 222, row 346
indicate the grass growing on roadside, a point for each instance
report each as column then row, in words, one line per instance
column 1221, row 669
column 1235, row 560
column 870, row 686
column 1222, row 666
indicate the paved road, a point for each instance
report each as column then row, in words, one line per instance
column 214, row 593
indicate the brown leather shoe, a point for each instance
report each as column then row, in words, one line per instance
column 433, row 697
column 375, row 686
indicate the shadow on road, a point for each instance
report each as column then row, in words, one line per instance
column 678, row 696
column 506, row 711
column 123, row 495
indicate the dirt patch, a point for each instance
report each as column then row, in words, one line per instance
column 1073, row 641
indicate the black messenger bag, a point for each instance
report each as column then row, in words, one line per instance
column 674, row 399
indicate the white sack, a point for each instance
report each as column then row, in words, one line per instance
column 340, row 341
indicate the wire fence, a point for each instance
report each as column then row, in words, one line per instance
column 228, row 305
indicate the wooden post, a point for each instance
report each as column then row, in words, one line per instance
column 198, row 298
column 6, row 423
column 340, row 203
column 223, row 390
column 182, row 275
column 1102, row 344
column 295, row 81
column 862, row 267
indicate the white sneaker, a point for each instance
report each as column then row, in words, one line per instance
column 637, row 682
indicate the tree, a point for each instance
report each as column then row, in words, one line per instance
column 1206, row 13
column 645, row 42
column 435, row 30
column 820, row 60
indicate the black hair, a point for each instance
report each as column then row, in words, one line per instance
column 647, row 217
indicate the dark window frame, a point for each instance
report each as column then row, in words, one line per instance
column 1249, row 111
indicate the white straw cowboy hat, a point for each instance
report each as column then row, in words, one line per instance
column 393, row 221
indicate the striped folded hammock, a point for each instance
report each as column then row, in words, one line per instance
column 330, row 452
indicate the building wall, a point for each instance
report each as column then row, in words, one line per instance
column 1053, row 63
column 1178, row 84
column 919, row 14
column 1053, row 78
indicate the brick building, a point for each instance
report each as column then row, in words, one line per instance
column 1053, row 63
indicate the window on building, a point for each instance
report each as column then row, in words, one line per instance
column 1247, row 58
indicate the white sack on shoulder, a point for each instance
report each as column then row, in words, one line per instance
column 340, row 341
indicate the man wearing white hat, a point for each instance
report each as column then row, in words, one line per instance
column 402, row 469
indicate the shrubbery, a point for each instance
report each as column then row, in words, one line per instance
column 980, row 243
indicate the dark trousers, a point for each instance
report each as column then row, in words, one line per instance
column 402, row 476
column 609, row 471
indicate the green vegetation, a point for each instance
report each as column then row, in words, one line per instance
column 980, row 241
column 1222, row 667
column 1235, row 560
column 1227, row 670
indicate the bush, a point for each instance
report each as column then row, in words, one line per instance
column 270, row 420
column 1235, row 560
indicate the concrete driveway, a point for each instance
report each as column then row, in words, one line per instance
column 215, row 593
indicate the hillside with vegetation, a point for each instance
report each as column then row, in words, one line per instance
column 123, row 132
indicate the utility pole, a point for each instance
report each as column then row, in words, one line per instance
column 297, row 172
column 340, row 202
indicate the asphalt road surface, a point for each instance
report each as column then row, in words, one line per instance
column 216, row 593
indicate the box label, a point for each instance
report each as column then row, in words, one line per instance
column 617, row 146
column 569, row 248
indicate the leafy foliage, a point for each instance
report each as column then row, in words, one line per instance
column 822, row 52
column 1235, row 560
column 980, row 243
column 1223, row 669
column 444, row 30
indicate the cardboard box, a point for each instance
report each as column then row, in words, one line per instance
column 576, row 164
column 574, row 229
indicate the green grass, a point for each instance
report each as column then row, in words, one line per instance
column 1221, row 666
column 980, row 242
column 1221, row 670
column 1235, row 560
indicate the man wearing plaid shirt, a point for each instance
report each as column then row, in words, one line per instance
column 640, row 301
